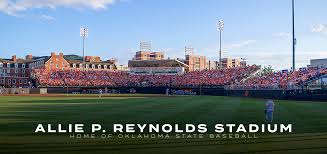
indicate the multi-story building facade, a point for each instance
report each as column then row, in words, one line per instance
column 146, row 55
column 17, row 72
column 14, row 72
column 229, row 63
column 71, row 62
column 212, row 65
column 196, row 63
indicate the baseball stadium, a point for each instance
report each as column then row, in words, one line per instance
column 78, row 102
column 109, row 96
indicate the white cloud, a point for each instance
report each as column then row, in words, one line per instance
column 47, row 17
column 14, row 7
column 241, row 44
column 319, row 28
column 283, row 35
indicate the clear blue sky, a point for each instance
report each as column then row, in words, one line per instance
column 258, row 30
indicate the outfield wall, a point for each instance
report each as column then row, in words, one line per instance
column 299, row 94
column 217, row 91
column 6, row 91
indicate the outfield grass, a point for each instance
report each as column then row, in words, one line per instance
column 20, row 115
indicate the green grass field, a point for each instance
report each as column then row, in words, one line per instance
column 19, row 116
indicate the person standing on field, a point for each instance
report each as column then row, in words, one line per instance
column 269, row 110
column 100, row 93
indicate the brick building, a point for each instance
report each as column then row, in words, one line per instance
column 70, row 62
column 146, row 55
column 17, row 72
column 229, row 63
column 196, row 63
column 14, row 72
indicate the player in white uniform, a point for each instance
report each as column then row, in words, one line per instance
column 269, row 110
column 100, row 93
column 167, row 91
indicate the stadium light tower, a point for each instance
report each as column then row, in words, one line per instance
column 293, row 34
column 220, row 28
column 84, row 33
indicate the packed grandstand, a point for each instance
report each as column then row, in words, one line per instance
column 240, row 77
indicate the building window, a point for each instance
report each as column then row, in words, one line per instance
column 16, row 70
column 20, row 81
column 16, row 65
column 9, row 81
column 74, row 65
column 8, row 65
column 99, row 66
column 86, row 65
column 57, row 65
column 23, row 70
column 105, row 66
column 93, row 66
column 14, row 81
column 25, row 81
column 23, row 65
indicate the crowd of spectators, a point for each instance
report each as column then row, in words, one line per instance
column 47, row 77
column 122, row 79
column 228, row 76
column 281, row 79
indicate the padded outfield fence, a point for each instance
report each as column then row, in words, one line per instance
column 298, row 93
column 217, row 91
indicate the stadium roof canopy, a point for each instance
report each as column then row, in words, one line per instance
column 156, row 63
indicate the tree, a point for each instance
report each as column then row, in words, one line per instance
column 267, row 70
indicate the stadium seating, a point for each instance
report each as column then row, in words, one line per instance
column 229, row 76
column 92, row 78
column 282, row 79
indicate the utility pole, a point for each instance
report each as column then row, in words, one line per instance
column 293, row 34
